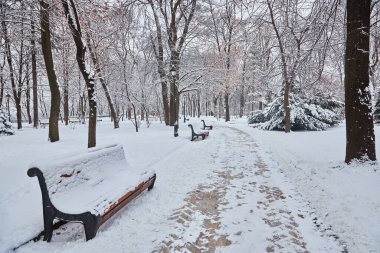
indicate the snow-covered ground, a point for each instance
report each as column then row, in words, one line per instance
column 240, row 190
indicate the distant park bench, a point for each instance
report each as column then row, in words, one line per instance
column 87, row 188
column 195, row 135
column 73, row 122
column 206, row 127
column 44, row 123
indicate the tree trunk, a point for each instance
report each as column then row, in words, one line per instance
column 2, row 84
column 174, row 77
column 135, row 118
column 227, row 106
column 34, row 75
column 287, row 107
column 242, row 102
column 220, row 106
column 81, row 109
column 171, row 104
column 199, row 104
column 129, row 112
column 158, row 107
column 165, row 102
column 73, row 21
column 65, row 92
column 142, row 107
column 28, row 95
column 215, row 100
column 194, row 106
column 206, row 106
column 360, row 142
column 49, row 64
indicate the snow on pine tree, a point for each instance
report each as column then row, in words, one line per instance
column 5, row 125
column 313, row 114
column 376, row 113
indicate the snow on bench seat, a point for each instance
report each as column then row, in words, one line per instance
column 93, row 181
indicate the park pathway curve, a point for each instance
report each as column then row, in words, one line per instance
column 245, row 206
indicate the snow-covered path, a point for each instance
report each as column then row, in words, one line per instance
column 223, row 194
column 242, row 208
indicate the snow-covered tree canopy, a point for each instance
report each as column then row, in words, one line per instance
column 230, row 59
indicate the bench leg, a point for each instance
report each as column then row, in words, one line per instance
column 203, row 136
column 151, row 186
column 48, row 223
column 91, row 225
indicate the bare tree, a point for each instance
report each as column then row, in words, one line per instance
column 158, row 47
column 16, row 89
column 73, row 22
column 49, row 64
column 176, row 15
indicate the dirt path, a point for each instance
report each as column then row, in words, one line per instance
column 243, row 208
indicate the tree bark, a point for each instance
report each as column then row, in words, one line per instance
column 49, row 64
column 242, row 102
column 242, row 97
column 65, row 91
column 360, row 142
column 28, row 95
column 227, row 106
column 2, row 84
column 287, row 106
column 73, row 22
column 174, row 76
column 215, row 102
column 129, row 112
column 199, row 104
column 34, row 75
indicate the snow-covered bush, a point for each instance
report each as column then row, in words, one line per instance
column 376, row 113
column 313, row 114
column 5, row 126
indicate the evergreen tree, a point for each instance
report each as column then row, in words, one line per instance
column 5, row 125
column 376, row 113
column 314, row 114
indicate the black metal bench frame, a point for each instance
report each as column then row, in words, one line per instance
column 90, row 221
column 206, row 127
column 44, row 124
column 194, row 135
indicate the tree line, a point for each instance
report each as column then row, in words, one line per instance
column 137, row 58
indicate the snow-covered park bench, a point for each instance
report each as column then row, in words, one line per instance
column 73, row 122
column 44, row 123
column 87, row 187
column 205, row 126
column 195, row 135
